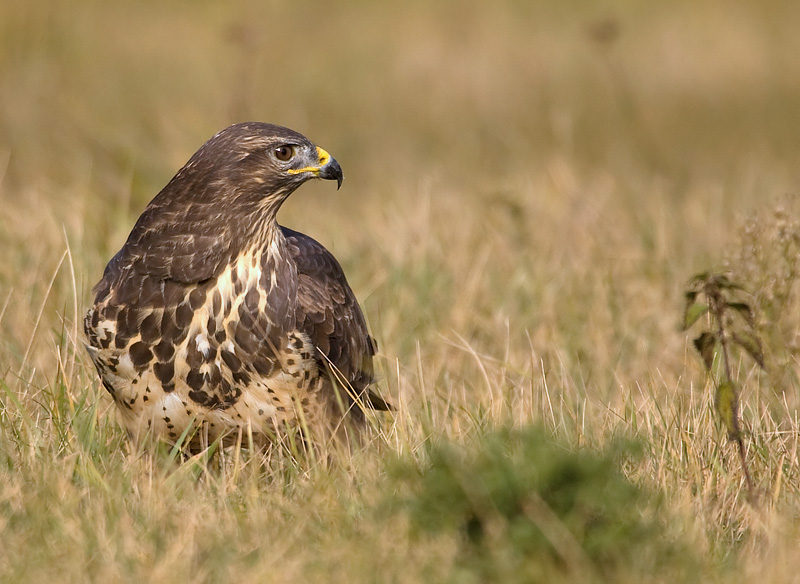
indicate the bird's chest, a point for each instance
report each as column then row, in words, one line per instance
column 241, row 330
column 262, row 285
column 226, row 348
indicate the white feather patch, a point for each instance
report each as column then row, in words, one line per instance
column 202, row 344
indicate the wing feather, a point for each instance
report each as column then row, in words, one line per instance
column 329, row 313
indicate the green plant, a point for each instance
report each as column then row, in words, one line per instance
column 524, row 508
column 730, row 324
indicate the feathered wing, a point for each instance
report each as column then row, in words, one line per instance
column 327, row 310
column 188, row 247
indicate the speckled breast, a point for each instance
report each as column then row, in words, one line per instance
column 216, row 356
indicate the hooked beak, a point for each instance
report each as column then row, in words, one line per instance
column 329, row 169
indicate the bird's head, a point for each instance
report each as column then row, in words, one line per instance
column 222, row 200
column 254, row 163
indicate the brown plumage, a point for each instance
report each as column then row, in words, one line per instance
column 214, row 319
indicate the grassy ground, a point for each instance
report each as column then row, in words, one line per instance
column 529, row 186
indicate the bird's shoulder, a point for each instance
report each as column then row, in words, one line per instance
column 327, row 308
column 312, row 258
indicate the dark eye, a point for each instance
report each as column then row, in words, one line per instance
column 284, row 152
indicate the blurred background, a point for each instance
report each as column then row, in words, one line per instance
column 529, row 185
column 526, row 162
column 113, row 96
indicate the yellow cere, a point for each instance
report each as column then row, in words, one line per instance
column 324, row 158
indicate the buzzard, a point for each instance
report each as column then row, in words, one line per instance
column 213, row 319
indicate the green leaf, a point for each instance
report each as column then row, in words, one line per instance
column 705, row 344
column 752, row 344
column 726, row 402
column 693, row 313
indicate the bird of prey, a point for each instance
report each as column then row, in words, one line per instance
column 213, row 320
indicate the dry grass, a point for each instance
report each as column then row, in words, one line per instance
column 529, row 186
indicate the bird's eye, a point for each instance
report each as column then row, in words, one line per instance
column 284, row 152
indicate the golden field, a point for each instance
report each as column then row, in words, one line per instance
column 529, row 187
